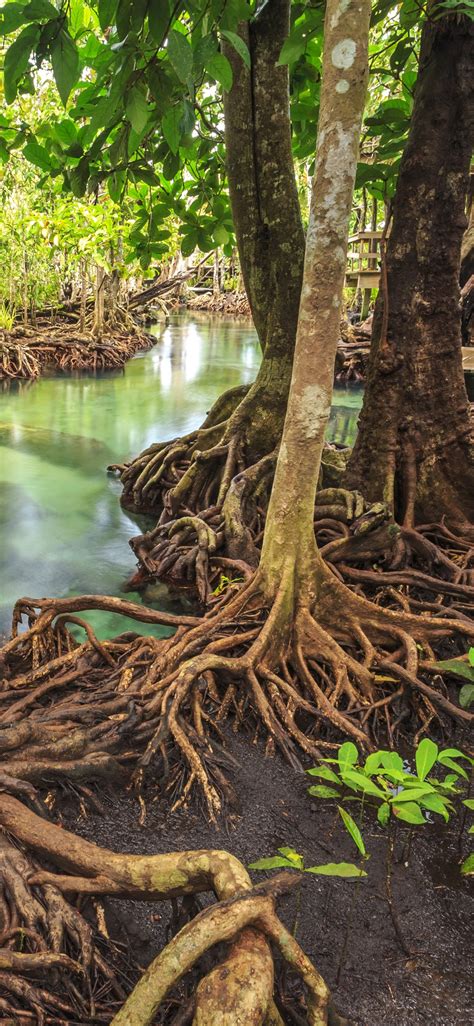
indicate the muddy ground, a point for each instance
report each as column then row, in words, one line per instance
column 379, row 984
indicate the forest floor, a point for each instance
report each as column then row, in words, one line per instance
column 380, row 985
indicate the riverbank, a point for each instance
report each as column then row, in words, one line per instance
column 27, row 353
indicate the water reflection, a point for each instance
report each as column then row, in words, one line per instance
column 62, row 530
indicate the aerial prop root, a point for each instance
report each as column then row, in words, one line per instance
column 240, row 989
column 317, row 662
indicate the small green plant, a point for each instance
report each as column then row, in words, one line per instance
column 291, row 859
column 226, row 582
column 7, row 318
column 462, row 667
column 382, row 781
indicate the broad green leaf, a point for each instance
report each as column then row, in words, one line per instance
column 37, row 155
column 466, row 696
column 459, row 667
column 467, row 868
column 353, row 830
column 361, row 783
column 345, row 869
column 410, row 794
column 65, row 61
column 454, row 753
column 221, row 235
column 426, row 755
column 383, row 813
column 469, row 803
column 293, row 48
column 219, row 68
column 372, row 762
column 435, row 803
column 158, row 19
column 320, row 791
column 447, row 761
column 275, row 862
column 171, row 125
column 392, row 761
column 239, row 45
column 470, row 656
column 11, row 17
column 347, row 755
column 180, row 55
column 17, row 59
column 107, row 9
column 324, row 773
column 410, row 812
column 65, row 132
column 78, row 178
column 136, row 109
column 40, row 10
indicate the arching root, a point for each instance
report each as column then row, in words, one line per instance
column 240, row 989
column 301, row 676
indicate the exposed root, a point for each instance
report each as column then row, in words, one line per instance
column 303, row 675
column 27, row 352
column 238, row 991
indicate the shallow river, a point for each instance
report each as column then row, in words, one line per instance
column 62, row 530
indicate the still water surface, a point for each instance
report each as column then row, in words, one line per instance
column 62, row 530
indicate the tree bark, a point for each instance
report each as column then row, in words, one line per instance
column 289, row 533
column 414, row 448
column 265, row 208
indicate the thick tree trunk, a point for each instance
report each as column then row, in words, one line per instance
column 289, row 533
column 266, row 210
column 414, row 448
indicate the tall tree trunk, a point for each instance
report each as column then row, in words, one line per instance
column 414, row 448
column 266, row 210
column 83, row 307
column 215, row 466
column 289, row 532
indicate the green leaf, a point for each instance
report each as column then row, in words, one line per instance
column 347, row 755
column 65, row 132
column 37, row 155
column 295, row 858
column 65, row 61
column 78, row 178
column 11, row 17
column 17, row 59
column 469, row 803
column 454, row 753
column 219, row 68
column 293, row 48
column 447, row 761
column 345, row 869
column 435, row 803
column 221, row 235
column 361, row 783
column 466, row 696
column 383, row 814
column 320, row 791
column 324, row 773
column 275, row 862
column 158, row 19
column 470, row 656
column 457, row 666
column 136, row 109
column 180, row 55
column 40, row 10
column 467, row 868
column 107, row 9
column 171, row 125
column 411, row 794
column 426, row 756
column 410, row 812
column 239, row 45
column 353, row 830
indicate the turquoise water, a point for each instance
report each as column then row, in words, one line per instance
column 62, row 530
